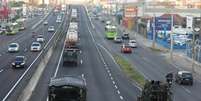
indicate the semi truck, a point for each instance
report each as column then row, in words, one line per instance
column 70, row 54
column 71, row 39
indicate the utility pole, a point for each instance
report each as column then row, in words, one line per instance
column 154, row 30
column 171, row 37
column 196, row 30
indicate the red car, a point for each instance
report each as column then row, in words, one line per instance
column 126, row 49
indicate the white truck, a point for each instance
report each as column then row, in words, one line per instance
column 71, row 39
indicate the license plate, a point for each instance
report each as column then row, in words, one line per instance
column 17, row 65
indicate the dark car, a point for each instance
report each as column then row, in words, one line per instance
column 125, row 36
column 19, row 62
column 184, row 77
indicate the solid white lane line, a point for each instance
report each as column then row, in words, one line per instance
column 59, row 62
column 18, row 81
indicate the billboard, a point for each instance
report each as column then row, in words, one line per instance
column 162, row 23
column 130, row 12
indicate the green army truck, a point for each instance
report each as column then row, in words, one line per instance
column 68, row 88
column 155, row 91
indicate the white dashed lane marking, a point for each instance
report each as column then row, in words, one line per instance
column 103, row 60
column 1, row 70
column 121, row 97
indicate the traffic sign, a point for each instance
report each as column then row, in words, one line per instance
column 162, row 23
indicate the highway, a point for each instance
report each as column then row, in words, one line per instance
column 151, row 64
column 8, row 76
column 105, row 81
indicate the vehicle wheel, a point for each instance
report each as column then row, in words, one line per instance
column 191, row 83
column 179, row 82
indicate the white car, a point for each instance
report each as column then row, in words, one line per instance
column 13, row 47
column 51, row 29
column 45, row 23
column 40, row 38
column 35, row 46
column 132, row 43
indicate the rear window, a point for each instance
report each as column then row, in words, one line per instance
column 187, row 75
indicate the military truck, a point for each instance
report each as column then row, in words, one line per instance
column 155, row 91
column 70, row 56
column 68, row 88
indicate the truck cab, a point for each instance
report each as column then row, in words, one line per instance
column 70, row 56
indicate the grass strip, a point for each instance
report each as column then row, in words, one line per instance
column 158, row 49
column 131, row 72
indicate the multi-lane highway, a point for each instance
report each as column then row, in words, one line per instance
column 105, row 81
column 153, row 65
column 9, row 76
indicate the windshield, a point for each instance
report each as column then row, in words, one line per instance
column 35, row 44
column 40, row 36
column 19, row 59
column 66, row 93
column 13, row 45
column 187, row 75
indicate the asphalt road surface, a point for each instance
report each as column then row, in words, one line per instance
column 10, row 76
column 151, row 64
column 105, row 81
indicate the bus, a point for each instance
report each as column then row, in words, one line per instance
column 12, row 29
column 21, row 24
column 111, row 31
column 68, row 88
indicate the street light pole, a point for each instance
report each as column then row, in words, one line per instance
column 171, row 38
column 154, row 31
column 196, row 30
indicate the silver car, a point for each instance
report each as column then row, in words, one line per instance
column 132, row 43
column 40, row 38
column 51, row 29
column 36, row 46
column 13, row 47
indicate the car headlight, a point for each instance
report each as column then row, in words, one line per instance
column 22, row 63
column 13, row 63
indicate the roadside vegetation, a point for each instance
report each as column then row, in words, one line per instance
column 158, row 49
column 130, row 71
